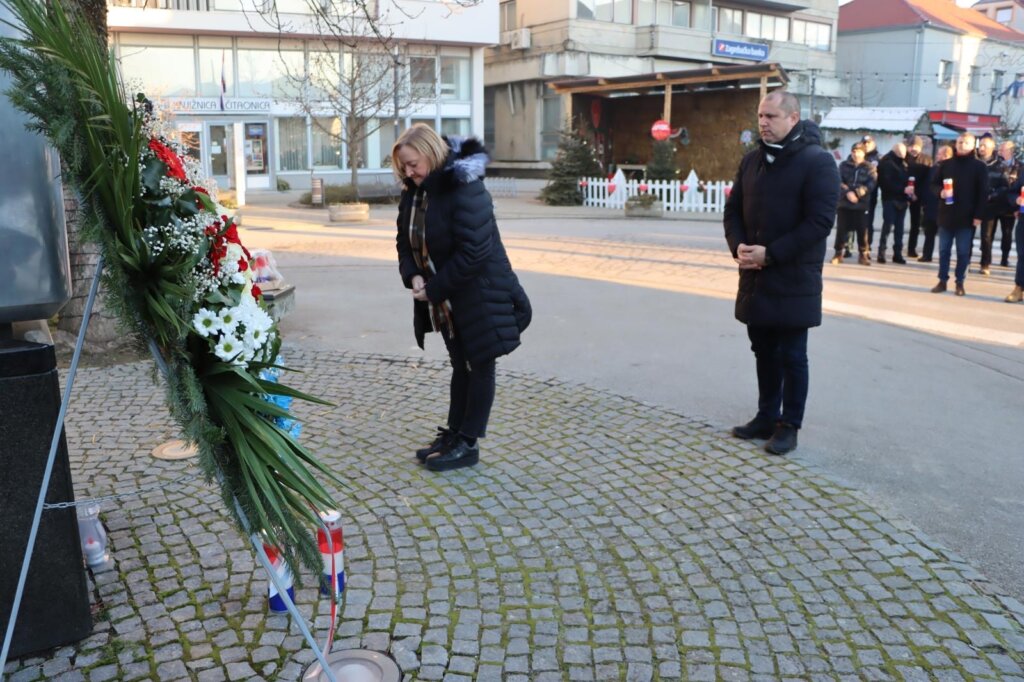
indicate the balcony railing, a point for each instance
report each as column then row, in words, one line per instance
column 182, row 5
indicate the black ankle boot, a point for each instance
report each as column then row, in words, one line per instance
column 783, row 440
column 457, row 454
column 758, row 427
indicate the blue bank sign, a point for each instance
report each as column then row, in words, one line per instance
column 734, row 48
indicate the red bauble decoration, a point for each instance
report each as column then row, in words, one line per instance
column 611, row 188
column 728, row 191
column 685, row 188
column 642, row 187
column 583, row 183
column 661, row 130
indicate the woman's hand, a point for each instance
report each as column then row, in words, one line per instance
column 419, row 288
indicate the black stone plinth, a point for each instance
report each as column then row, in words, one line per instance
column 55, row 605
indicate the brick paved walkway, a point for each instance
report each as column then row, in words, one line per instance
column 599, row 539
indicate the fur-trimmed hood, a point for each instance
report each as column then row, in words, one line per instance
column 467, row 162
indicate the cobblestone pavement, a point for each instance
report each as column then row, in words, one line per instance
column 599, row 539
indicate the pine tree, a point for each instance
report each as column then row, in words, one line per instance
column 662, row 165
column 576, row 159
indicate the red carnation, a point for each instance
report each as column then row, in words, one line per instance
column 256, row 292
column 174, row 167
column 243, row 265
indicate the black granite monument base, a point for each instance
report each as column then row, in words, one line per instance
column 55, row 606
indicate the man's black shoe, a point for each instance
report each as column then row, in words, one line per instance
column 899, row 260
column 755, row 428
column 911, row 253
column 444, row 436
column 454, row 456
column 783, row 440
column 881, row 258
column 1005, row 262
column 924, row 259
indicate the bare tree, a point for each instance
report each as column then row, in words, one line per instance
column 357, row 71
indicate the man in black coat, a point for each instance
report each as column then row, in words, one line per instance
column 962, row 184
column 1008, row 154
column 777, row 221
column 995, row 206
column 893, row 176
column 872, row 156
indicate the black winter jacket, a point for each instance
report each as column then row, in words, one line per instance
column 920, row 168
column 928, row 195
column 788, row 206
column 892, row 177
column 489, row 307
column 970, row 191
column 859, row 179
column 998, row 187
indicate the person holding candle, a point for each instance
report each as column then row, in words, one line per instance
column 962, row 184
column 857, row 181
column 920, row 168
column 1008, row 154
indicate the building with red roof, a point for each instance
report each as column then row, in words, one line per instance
column 931, row 54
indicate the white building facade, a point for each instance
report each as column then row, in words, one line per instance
column 228, row 75
column 952, row 59
column 550, row 40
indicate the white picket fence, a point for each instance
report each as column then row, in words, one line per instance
column 691, row 194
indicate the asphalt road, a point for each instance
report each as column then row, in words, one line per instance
column 915, row 398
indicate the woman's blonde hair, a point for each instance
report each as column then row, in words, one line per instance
column 424, row 140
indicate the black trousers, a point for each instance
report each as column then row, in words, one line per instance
column 1006, row 224
column 782, row 373
column 988, row 230
column 848, row 223
column 930, row 229
column 471, row 391
column 914, row 211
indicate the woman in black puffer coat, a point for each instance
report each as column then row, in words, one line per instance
column 450, row 254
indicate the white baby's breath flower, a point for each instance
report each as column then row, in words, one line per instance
column 206, row 322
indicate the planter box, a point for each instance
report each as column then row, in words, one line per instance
column 349, row 212
column 655, row 210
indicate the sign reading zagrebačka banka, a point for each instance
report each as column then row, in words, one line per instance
column 213, row 105
column 734, row 48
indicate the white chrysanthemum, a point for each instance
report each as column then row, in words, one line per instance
column 237, row 278
column 260, row 319
column 229, row 320
column 229, row 348
column 254, row 338
column 234, row 253
column 206, row 322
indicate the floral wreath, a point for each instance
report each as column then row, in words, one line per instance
column 176, row 272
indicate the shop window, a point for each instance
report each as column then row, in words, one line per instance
column 586, row 9
column 327, row 142
column 164, row 71
column 291, row 144
column 455, row 78
column 663, row 13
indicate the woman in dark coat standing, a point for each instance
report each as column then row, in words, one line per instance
column 451, row 256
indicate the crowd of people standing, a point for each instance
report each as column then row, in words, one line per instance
column 965, row 187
